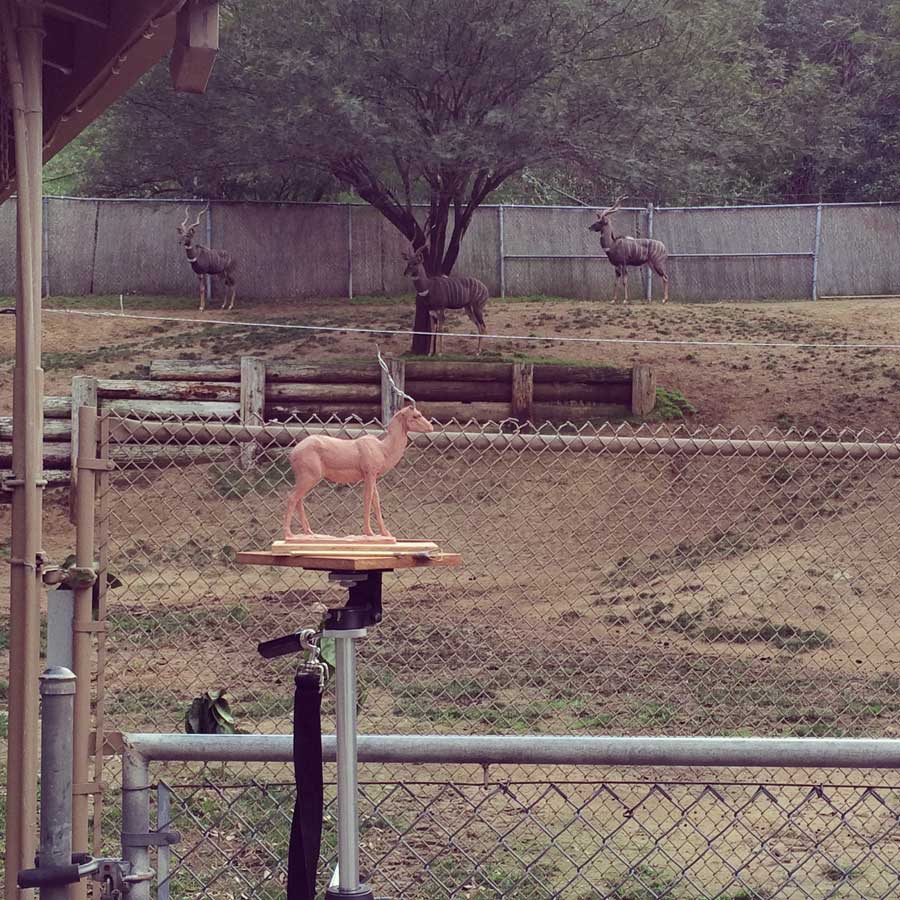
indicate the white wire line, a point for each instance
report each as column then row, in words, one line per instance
column 532, row 338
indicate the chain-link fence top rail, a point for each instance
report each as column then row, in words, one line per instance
column 707, row 586
column 619, row 841
column 302, row 250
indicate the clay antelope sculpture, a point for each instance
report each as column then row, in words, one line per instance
column 443, row 292
column 623, row 252
column 207, row 262
column 346, row 461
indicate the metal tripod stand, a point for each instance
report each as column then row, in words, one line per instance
column 345, row 625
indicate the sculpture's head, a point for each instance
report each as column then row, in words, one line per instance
column 186, row 231
column 413, row 420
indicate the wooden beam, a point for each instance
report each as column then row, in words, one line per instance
column 196, row 45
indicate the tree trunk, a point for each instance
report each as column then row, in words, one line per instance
column 421, row 342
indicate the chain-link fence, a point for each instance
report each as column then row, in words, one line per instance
column 532, row 840
column 619, row 580
column 97, row 246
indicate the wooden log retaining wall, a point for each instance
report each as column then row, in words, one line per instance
column 255, row 391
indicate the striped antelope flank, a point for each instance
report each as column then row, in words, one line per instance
column 207, row 262
column 443, row 292
column 623, row 252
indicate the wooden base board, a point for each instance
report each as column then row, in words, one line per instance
column 345, row 547
column 361, row 559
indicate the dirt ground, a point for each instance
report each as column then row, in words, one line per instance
column 739, row 385
column 676, row 597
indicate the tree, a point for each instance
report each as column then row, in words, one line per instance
column 437, row 103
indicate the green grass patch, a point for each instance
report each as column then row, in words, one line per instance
column 131, row 302
column 781, row 635
column 488, row 881
column 671, row 404
column 165, row 627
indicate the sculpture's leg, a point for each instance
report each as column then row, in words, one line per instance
column 202, row 293
column 289, row 516
column 233, row 293
column 367, row 505
column 665, row 279
column 616, row 288
column 381, row 526
column 625, row 282
column 305, row 480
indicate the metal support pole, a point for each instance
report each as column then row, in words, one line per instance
column 350, row 251
column 348, row 805
column 136, row 822
column 649, row 294
column 818, row 239
column 22, row 34
column 57, row 710
column 501, row 241
column 45, row 246
column 209, row 240
column 82, row 628
column 163, row 821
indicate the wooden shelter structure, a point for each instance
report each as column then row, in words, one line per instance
column 62, row 63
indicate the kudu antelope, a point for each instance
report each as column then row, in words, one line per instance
column 207, row 262
column 443, row 292
column 623, row 252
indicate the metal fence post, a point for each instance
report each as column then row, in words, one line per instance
column 209, row 243
column 649, row 293
column 83, row 628
column 57, row 711
column 136, row 821
column 501, row 241
column 818, row 239
column 45, row 246
column 163, row 821
column 349, row 251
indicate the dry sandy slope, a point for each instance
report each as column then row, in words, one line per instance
column 730, row 385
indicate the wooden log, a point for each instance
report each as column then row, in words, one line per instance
column 391, row 400
column 127, row 389
column 327, row 373
column 578, row 413
column 544, row 373
column 283, row 411
column 474, row 391
column 426, row 370
column 643, row 391
column 54, row 429
column 466, row 391
column 84, row 393
column 58, row 408
column 162, row 456
column 462, row 412
column 286, row 392
column 522, row 391
column 56, row 456
column 162, row 409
